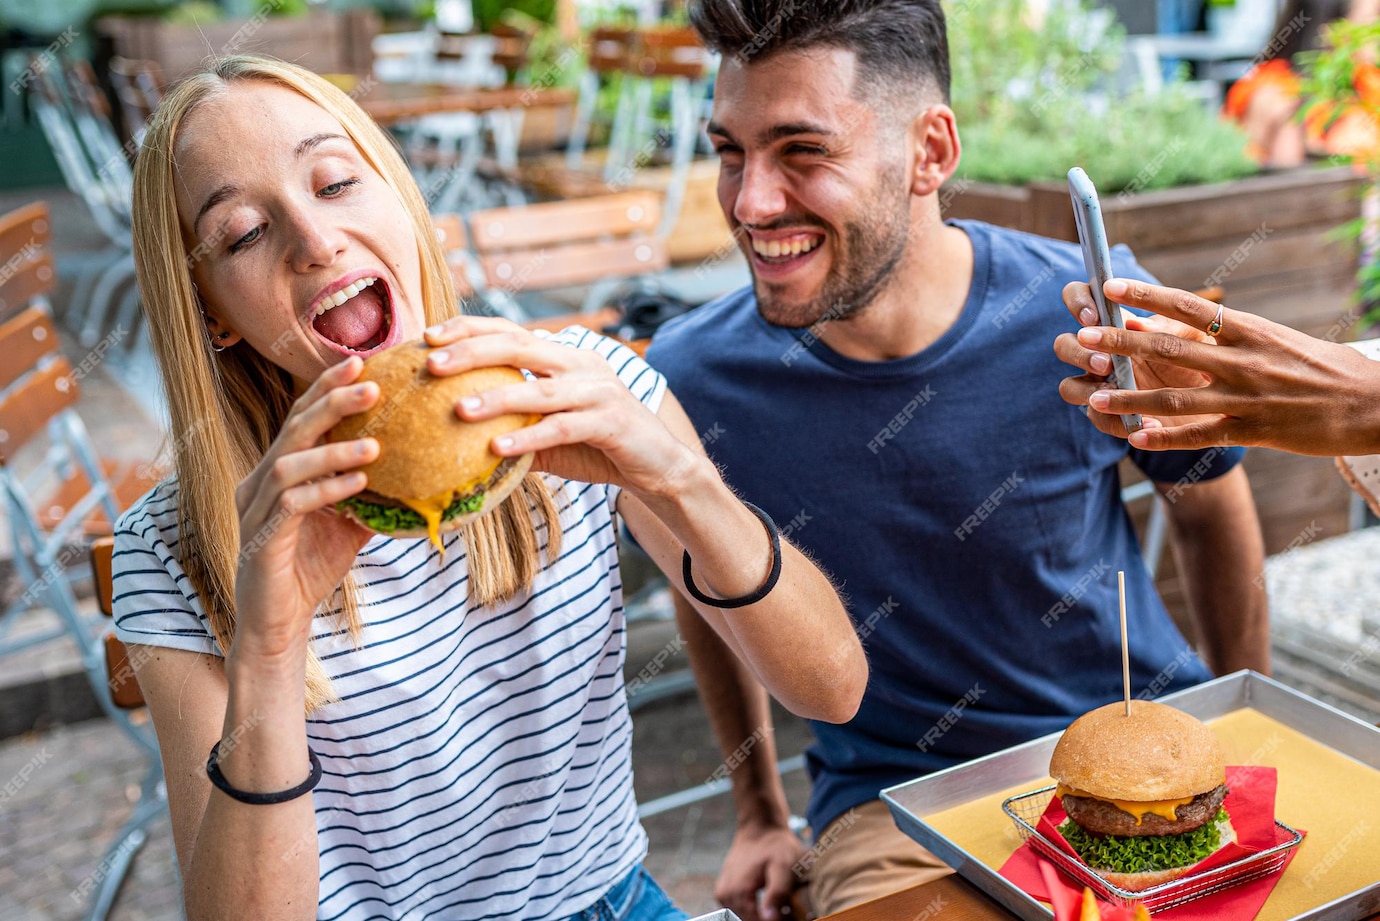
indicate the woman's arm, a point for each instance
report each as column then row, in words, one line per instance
column 798, row 640
column 260, row 861
column 237, row 860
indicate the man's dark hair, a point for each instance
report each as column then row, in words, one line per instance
column 899, row 43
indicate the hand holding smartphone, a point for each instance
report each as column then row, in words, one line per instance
column 1097, row 260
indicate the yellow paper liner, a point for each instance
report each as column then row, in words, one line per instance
column 1332, row 797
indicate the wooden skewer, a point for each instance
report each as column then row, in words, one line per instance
column 1125, row 649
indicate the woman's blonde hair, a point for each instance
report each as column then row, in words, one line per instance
column 226, row 408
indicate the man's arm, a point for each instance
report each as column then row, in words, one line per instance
column 764, row 850
column 1221, row 555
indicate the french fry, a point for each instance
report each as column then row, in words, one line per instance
column 1089, row 912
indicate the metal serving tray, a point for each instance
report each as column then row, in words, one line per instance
column 1027, row 765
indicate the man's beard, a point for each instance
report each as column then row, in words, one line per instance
column 864, row 262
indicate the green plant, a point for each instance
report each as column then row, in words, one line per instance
column 1031, row 102
column 488, row 12
column 1340, row 89
column 551, row 60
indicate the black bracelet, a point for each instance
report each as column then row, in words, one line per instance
column 772, row 577
column 261, row 799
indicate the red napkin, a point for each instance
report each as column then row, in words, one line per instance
column 1251, row 804
column 1069, row 907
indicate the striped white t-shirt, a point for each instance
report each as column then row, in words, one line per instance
column 477, row 764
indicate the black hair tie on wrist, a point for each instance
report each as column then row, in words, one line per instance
column 261, row 799
column 772, row 577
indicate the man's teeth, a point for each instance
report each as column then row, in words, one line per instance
column 793, row 247
column 343, row 295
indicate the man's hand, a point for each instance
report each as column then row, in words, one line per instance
column 762, row 859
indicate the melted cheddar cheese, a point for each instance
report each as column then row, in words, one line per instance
column 432, row 507
column 1163, row 808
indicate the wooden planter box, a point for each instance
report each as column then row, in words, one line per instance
column 322, row 41
column 1267, row 241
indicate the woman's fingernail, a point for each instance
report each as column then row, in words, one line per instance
column 1090, row 336
column 1115, row 288
column 1087, row 316
column 503, row 443
column 1099, row 401
column 435, row 330
column 470, row 403
column 439, row 358
column 1100, row 363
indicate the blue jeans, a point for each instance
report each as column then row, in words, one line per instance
column 635, row 897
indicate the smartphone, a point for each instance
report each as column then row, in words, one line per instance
column 1097, row 259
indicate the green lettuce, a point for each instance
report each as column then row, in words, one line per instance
column 1146, row 853
column 389, row 518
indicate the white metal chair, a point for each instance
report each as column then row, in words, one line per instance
column 643, row 63
column 94, row 166
column 139, row 87
column 123, row 688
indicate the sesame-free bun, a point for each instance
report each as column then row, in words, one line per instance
column 1156, row 753
column 425, row 449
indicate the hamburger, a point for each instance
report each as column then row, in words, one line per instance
column 435, row 471
column 1143, row 793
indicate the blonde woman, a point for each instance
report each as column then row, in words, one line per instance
column 354, row 727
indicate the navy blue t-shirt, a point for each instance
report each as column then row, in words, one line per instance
column 970, row 517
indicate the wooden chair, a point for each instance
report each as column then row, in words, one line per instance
column 642, row 62
column 125, row 694
column 68, row 493
column 27, row 273
column 29, row 341
column 512, row 48
column 450, row 230
column 68, row 496
column 597, row 241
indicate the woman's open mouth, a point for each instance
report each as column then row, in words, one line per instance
column 357, row 319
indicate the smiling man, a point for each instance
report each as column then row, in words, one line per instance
column 887, row 382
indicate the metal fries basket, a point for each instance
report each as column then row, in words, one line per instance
column 1025, row 810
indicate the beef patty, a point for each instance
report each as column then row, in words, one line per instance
column 1102, row 818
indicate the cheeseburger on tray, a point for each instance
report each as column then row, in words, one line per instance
column 434, row 471
column 1143, row 793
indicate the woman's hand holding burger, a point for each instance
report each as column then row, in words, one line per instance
column 593, row 429
column 294, row 548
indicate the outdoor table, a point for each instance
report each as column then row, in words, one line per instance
column 390, row 104
column 387, row 103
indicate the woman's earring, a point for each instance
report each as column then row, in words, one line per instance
column 220, row 337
